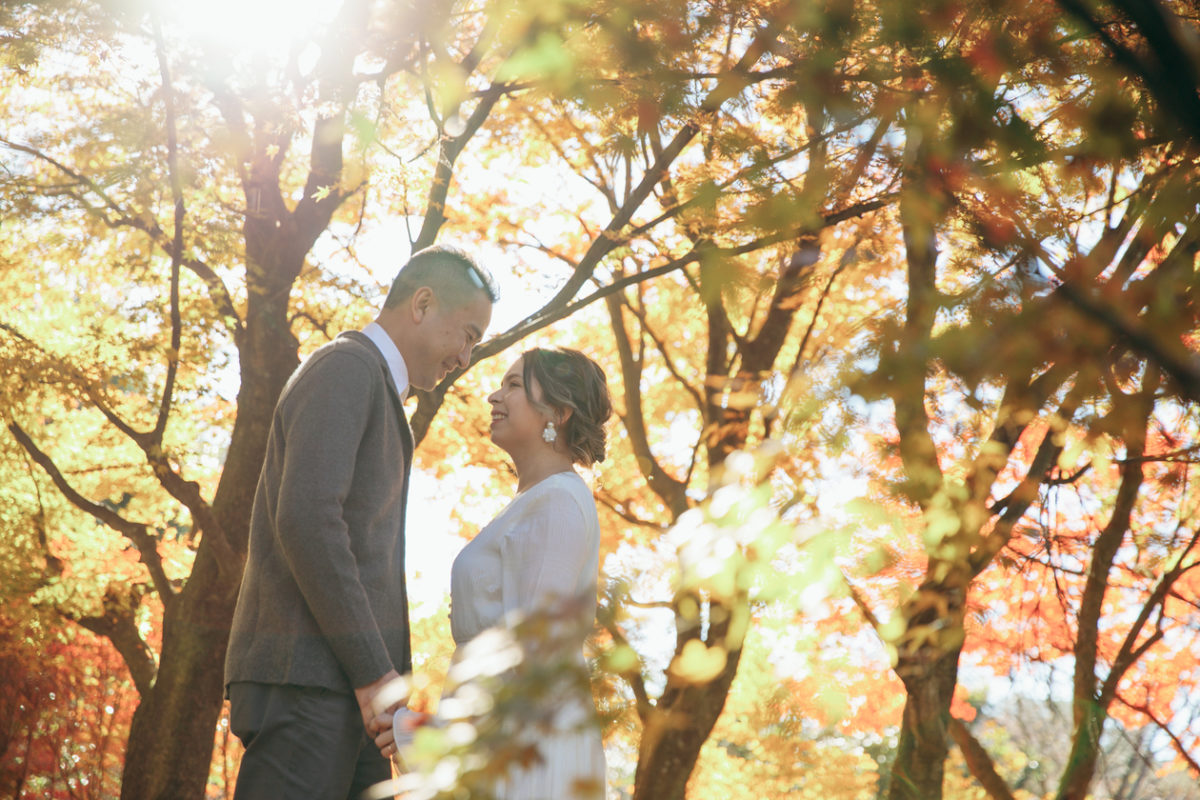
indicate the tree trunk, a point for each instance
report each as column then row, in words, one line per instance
column 676, row 730
column 925, row 727
column 1092, row 693
column 171, row 739
column 928, row 652
column 1077, row 776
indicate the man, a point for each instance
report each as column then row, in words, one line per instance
column 321, row 623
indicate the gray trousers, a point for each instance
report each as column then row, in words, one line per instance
column 302, row 742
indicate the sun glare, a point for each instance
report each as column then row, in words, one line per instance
column 263, row 26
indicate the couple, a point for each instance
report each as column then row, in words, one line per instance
column 320, row 634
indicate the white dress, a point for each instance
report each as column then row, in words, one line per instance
column 543, row 547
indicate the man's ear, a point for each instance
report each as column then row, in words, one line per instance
column 422, row 303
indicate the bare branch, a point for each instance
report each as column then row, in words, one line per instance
column 1180, row 746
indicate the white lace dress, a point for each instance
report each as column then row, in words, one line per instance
column 543, row 547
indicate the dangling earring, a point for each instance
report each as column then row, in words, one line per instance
column 549, row 435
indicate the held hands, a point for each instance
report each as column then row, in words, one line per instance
column 382, row 697
column 396, row 730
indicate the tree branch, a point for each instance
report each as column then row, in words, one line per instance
column 1180, row 746
column 668, row 487
column 1131, row 650
column 450, row 148
column 668, row 361
column 187, row 492
column 164, row 406
column 987, row 466
column 621, row 509
column 729, row 84
column 1174, row 79
column 118, row 624
column 137, row 533
column 1106, row 546
column 606, row 616
column 218, row 292
column 979, row 762
column 918, row 453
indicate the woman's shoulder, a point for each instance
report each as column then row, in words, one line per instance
column 564, row 493
column 560, row 483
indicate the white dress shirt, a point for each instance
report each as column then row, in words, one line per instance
column 391, row 354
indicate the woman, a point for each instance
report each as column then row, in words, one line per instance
column 540, row 556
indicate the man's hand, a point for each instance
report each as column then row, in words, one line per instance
column 382, row 697
column 397, row 730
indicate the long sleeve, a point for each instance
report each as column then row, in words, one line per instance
column 324, row 429
column 323, row 600
column 545, row 555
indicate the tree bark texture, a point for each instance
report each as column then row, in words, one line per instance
column 925, row 726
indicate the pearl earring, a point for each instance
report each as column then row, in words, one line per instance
column 549, row 435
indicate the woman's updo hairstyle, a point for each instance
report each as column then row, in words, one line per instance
column 571, row 380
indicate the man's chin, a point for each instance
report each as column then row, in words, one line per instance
column 426, row 384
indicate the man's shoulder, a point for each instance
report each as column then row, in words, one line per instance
column 348, row 359
column 350, row 344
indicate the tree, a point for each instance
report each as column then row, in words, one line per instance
column 66, row 711
column 1060, row 360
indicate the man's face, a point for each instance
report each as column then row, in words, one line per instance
column 445, row 338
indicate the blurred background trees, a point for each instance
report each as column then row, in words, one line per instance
column 896, row 301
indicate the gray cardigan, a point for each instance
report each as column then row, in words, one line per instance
column 322, row 601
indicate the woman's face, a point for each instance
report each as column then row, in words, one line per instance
column 516, row 423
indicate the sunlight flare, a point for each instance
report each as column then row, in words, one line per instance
column 258, row 26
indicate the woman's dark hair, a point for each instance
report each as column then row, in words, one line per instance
column 571, row 380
